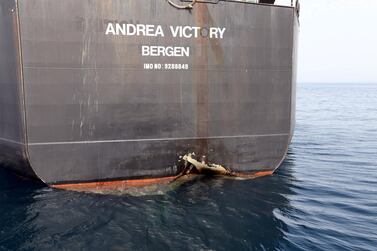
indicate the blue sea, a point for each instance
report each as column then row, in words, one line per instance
column 323, row 197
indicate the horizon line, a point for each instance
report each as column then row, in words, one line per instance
column 313, row 82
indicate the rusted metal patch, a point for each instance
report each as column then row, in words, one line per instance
column 155, row 186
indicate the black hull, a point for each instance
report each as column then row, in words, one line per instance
column 81, row 104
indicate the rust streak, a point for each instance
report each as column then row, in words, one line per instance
column 124, row 184
column 118, row 184
column 254, row 175
column 201, row 15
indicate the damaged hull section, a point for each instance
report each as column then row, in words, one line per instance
column 102, row 93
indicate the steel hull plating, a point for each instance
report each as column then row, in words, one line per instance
column 80, row 103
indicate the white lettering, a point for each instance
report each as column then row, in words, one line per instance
column 222, row 31
column 159, row 31
column 185, row 51
column 174, row 31
column 196, row 31
column 213, row 32
column 145, row 50
column 150, row 30
column 187, row 32
column 162, row 51
column 140, row 29
column 131, row 30
column 110, row 29
column 120, row 29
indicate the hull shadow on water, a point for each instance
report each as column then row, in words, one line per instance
column 208, row 213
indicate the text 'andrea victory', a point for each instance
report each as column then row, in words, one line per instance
column 150, row 30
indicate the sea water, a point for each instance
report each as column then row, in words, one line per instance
column 323, row 197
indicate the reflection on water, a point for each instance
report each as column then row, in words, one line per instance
column 324, row 196
column 208, row 213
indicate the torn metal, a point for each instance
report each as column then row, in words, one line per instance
column 194, row 166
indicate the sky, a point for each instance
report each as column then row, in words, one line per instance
column 338, row 41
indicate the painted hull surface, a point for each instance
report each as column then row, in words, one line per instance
column 117, row 90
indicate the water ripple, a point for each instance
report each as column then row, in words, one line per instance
column 324, row 196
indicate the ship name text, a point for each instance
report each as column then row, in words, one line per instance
column 150, row 30
column 156, row 33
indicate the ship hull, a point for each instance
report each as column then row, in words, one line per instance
column 95, row 97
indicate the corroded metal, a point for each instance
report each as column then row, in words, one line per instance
column 79, row 105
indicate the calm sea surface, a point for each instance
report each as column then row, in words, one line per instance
column 324, row 196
